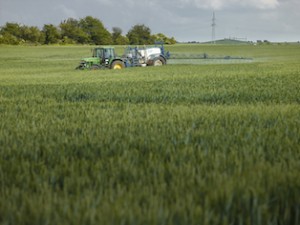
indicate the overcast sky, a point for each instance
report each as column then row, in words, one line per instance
column 186, row 20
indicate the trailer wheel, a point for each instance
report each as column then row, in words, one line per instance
column 159, row 61
column 117, row 65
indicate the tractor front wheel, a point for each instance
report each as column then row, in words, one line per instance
column 117, row 65
column 81, row 66
column 95, row 67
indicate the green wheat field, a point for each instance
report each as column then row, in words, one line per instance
column 182, row 144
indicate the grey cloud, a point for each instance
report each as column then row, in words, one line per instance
column 186, row 20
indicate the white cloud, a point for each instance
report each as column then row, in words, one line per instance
column 221, row 4
column 264, row 4
column 105, row 2
column 67, row 11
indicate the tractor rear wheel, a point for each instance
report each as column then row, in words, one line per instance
column 117, row 65
column 159, row 61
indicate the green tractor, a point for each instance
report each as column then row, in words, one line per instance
column 105, row 58
column 102, row 58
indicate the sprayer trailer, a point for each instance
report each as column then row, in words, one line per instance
column 106, row 58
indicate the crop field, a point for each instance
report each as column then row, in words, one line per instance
column 182, row 144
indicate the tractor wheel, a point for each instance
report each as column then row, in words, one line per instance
column 117, row 65
column 80, row 67
column 159, row 61
column 95, row 67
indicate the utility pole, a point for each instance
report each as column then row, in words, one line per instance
column 213, row 32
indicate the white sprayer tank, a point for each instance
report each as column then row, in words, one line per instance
column 149, row 52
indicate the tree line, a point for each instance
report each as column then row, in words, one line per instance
column 88, row 30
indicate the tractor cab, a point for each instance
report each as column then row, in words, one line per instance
column 105, row 54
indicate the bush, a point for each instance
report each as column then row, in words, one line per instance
column 9, row 39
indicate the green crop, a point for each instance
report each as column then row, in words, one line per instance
column 179, row 144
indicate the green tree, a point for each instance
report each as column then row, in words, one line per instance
column 163, row 38
column 13, row 33
column 121, row 40
column 116, row 32
column 72, row 32
column 95, row 30
column 140, row 35
column 31, row 34
column 12, row 29
column 52, row 35
column 118, row 38
column 10, row 34
column 8, row 39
